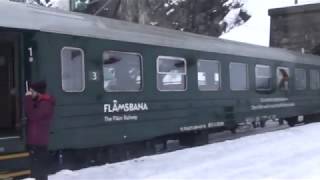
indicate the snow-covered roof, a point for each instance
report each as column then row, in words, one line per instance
column 23, row 16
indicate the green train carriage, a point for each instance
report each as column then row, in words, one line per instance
column 120, row 88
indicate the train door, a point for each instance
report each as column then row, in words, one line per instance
column 14, row 160
column 8, row 90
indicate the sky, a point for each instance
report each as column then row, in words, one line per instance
column 257, row 29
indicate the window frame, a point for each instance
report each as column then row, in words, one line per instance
column 310, row 80
column 141, row 70
column 185, row 73
column 83, row 68
column 247, row 77
column 295, row 79
column 220, row 80
column 255, row 75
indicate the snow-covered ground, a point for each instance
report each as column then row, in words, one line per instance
column 257, row 29
column 288, row 154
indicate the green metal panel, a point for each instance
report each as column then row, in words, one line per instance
column 79, row 120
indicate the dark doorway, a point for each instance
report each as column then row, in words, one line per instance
column 7, row 88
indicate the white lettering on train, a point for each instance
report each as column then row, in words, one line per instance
column 269, row 100
column 272, row 106
column 125, row 107
column 202, row 126
column 120, row 118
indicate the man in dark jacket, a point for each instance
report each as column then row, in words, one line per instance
column 39, row 108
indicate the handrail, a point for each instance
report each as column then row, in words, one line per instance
column 15, row 174
column 14, row 156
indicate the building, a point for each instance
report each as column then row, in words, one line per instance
column 296, row 28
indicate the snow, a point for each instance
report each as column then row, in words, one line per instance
column 230, row 2
column 231, row 18
column 285, row 154
column 60, row 4
column 175, row 2
column 170, row 11
column 257, row 29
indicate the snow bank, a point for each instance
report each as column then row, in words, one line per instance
column 287, row 154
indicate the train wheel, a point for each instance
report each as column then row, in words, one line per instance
column 150, row 147
column 194, row 138
column 254, row 124
column 292, row 121
column 262, row 123
column 281, row 122
column 233, row 130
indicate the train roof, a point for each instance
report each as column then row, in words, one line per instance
column 24, row 16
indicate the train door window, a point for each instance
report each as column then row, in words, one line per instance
column 122, row 71
column 171, row 73
column 300, row 79
column 208, row 75
column 238, row 76
column 72, row 67
column 283, row 75
column 263, row 77
column 314, row 80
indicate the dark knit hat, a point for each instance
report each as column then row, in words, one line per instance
column 40, row 86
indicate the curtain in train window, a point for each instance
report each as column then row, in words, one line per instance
column 171, row 73
column 122, row 71
column 263, row 77
column 300, row 79
column 72, row 67
column 314, row 80
column 283, row 76
column 208, row 75
column 238, row 76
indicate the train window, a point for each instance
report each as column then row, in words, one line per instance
column 122, row 71
column 314, row 79
column 208, row 75
column 171, row 73
column 263, row 77
column 72, row 69
column 238, row 76
column 283, row 75
column 300, row 79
